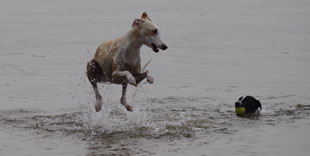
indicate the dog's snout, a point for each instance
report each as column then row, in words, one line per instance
column 164, row 47
column 237, row 104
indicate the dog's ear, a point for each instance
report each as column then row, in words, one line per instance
column 145, row 16
column 259, row 104
column 137, row 22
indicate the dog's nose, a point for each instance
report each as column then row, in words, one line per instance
column 164, row 47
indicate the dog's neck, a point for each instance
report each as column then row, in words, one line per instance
column 133, row 41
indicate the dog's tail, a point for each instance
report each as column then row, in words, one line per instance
column 146, row 64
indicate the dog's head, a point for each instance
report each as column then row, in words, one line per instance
column 247, row 104
column 150, row 34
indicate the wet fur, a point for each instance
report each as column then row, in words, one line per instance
column 118, row 61
column 250, row 104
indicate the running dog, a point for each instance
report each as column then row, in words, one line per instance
column 118, row 61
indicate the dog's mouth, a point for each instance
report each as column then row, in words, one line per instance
column 155, row 48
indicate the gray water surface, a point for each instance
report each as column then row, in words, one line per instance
column 218, row 51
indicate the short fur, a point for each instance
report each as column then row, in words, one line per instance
column 250, row 104
column 118, row 61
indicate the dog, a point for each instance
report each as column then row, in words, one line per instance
column 247, row 105
column 118, row 61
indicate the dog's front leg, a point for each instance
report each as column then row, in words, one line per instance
column 118, row 77
column 141, row 76
column 149, row 77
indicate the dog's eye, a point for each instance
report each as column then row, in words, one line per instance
column 155, row 31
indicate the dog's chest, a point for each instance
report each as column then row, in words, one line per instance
column 131, row 61
column 130, row 57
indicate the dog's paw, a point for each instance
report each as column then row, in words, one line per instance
column 98, row 107
column 124, row 103
column 149, row 79
column 98, row 103
column 128, row 108
column 131, row 80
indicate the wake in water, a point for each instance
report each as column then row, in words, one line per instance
column 167, row 117
column 114, row 130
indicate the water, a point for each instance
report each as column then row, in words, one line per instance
column 218, row 51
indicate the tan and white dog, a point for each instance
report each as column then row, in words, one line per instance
column 118, row 61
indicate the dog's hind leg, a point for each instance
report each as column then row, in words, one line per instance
column 123, row 98
column 95, row 74
column 98, row 98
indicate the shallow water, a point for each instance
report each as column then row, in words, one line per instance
column 218, row 51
